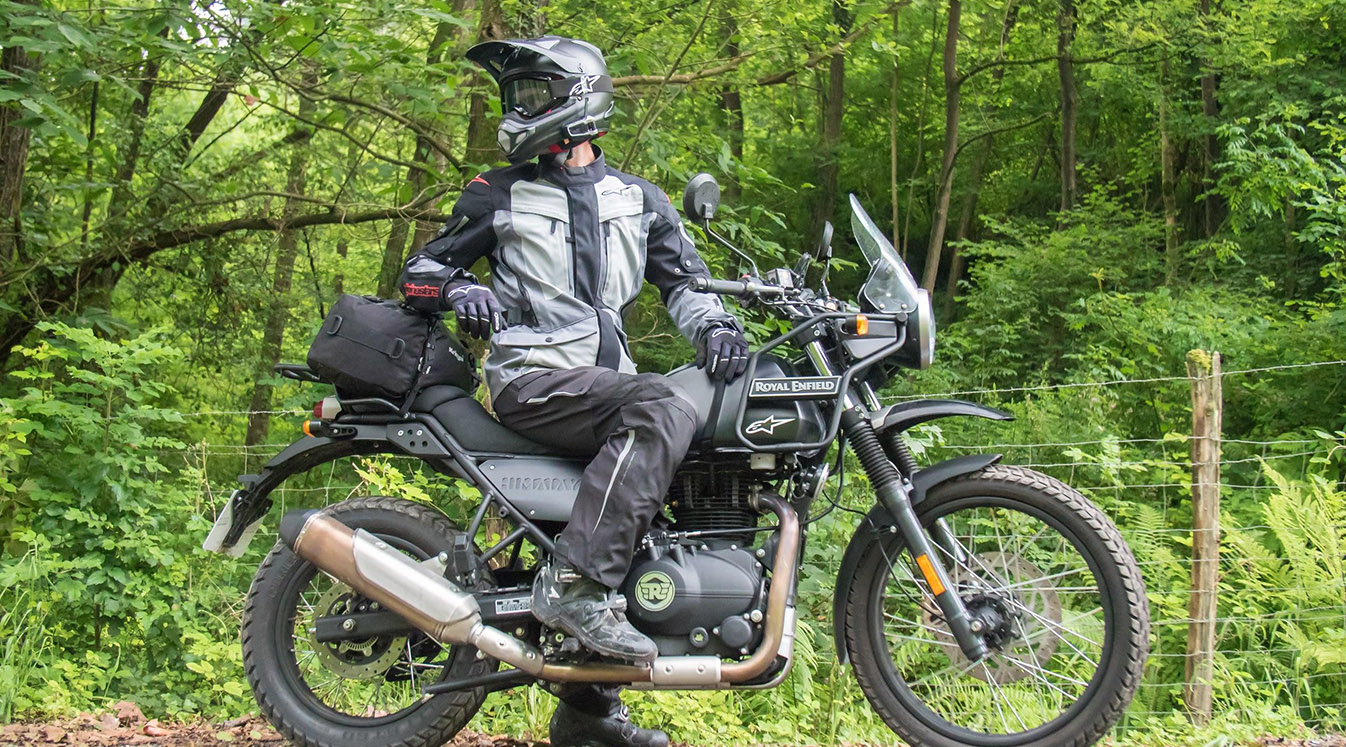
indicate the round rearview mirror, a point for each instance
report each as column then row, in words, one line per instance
column 702, row 197
column 825, row 243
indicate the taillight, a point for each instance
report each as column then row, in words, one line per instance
column 327, row 409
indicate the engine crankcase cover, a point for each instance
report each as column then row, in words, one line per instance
column 687, row 588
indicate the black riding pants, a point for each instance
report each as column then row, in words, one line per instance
column 639, row 427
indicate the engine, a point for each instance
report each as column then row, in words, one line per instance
column 694, row 599
column 711, row 497
column 702, row 594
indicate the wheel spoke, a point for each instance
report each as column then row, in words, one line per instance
column 944, row 671
column 995, row 696
column 1036, row 673
column 1058, row 629
column 922, row 626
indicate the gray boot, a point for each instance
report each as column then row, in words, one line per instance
column 593, row 613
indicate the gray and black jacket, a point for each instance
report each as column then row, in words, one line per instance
column 569, row 249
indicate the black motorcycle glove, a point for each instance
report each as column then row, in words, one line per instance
column 723, row 352
column 479, row 314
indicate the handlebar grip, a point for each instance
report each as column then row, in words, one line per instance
column 734, row 287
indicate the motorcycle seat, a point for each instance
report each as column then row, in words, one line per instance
column 475, row 429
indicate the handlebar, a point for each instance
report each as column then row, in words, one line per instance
column 734, row 287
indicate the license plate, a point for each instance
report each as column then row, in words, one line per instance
column 215, row 540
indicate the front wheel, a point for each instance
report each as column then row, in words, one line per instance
column 1059, row 594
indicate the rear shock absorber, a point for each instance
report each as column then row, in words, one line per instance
column 894, row 493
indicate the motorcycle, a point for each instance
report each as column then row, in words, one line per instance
column 977, row 602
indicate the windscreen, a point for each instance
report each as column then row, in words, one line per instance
column 890, row 287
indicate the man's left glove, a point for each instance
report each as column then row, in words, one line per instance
column 479, row 314
column 723, row 352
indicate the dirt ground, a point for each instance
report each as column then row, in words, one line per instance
column 126, row 725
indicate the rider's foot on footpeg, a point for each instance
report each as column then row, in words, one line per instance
column 590, row 612
column 572, row 727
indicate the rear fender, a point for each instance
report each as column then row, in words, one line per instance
column 878, row 522
column 249, row 504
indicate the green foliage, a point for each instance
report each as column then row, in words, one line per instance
column 103, row 530
column 108, row 475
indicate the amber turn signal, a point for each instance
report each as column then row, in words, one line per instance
column 861, row 324
column 307, row 430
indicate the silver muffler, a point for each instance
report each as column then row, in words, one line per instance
column 427, row 600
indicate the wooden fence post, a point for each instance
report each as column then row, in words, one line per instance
column 1207, row 414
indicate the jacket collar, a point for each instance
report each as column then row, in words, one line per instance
column 569, row 176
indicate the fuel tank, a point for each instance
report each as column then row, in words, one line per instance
column 766, row 422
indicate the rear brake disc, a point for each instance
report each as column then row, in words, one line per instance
column 355, row 659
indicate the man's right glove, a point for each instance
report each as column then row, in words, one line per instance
column 723, row 352
column 479, row 314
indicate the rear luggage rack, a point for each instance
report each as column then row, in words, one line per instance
column 298, row 372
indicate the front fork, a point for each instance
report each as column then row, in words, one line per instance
column 893, row 490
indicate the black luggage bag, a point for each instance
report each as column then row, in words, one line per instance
column 374, row 347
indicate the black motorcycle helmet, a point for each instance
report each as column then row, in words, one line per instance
column 555, row 93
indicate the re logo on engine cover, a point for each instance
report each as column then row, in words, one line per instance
column 654, row 591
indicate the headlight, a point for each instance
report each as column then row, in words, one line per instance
column 925, row 328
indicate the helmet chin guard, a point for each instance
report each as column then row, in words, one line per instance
column 577, row 78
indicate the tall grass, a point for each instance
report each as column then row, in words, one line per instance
column 24, row 640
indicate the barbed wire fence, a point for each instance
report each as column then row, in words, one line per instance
column 1273, row 636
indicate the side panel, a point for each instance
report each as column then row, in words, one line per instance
column 542, row 488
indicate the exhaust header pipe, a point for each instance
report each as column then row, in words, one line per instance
column 427, row 600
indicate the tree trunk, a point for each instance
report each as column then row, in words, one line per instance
column 1291, row 246
column 919, row 160
column 977, row 170
column 426, row 229
column 1213, row 207
column 829, row 147
column 394, row 249
column 951, row 102
column 119, row 204
column 894, row 89
column 273, row 334
column 1065, row 67
column 731, row 103
column 339, row 280
column 15, row 63
column 1167, row 178
column 463, row 38
column 481, row 144
column 86, row 213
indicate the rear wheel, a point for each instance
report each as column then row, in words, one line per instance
column 1060, row 596
column 361, row 692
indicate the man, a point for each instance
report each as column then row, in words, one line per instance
column 569, row 240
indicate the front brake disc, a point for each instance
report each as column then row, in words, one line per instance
column 1032, row 636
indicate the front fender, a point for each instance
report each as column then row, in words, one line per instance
column 877, row 523
column 905, row 415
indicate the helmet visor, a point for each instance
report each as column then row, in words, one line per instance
column 528, row 97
